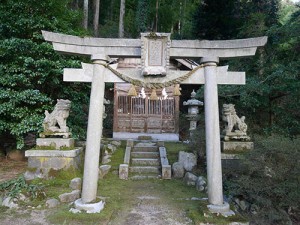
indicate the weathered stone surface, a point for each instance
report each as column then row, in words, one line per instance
column 236, row 146
column 178, row 170
column 190, row 179
column 111, row 148
column 29, row 175
column 200, row 183
column 123, row 171
column 69, row 197
column 106, row 159
column 166, row 172
column 75, row 183
column 127, row 155
column 188, row 160
column 53, row 159
column 9, row 202
column 52, row 203
column 103, row 170
column 55, row 142
column 116, row 143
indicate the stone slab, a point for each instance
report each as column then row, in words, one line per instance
column 53, row 153
column 127, row 155
column 57, row 142
column 162, row 152
column 236, row 146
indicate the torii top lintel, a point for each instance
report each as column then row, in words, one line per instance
column 116, row 47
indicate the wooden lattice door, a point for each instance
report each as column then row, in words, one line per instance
column 141, row 115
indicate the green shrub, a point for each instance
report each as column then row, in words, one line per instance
column 271, row 180
column 13, row 188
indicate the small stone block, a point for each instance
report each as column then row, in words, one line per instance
column 75, row 183
column 69, row 197
column 123, row 171
column 166, row 172
column 130, row 143
column 236, row 146
column 103, row 170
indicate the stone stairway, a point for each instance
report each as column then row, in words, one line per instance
column 145, row 161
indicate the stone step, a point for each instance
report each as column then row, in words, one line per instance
column 145, row 169
column 145, row 162
column 144, row 177
column 145, row 149
column 151, row 155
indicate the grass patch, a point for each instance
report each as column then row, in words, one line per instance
column 173, row 149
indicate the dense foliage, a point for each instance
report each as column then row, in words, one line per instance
column 272, row 84
column 30, row 71
column 270, row 184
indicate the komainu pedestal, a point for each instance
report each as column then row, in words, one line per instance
column 54, row 150
column 234, row 136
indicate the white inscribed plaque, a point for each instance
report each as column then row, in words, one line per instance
column 155, row 53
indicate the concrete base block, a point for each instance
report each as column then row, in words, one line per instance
column 222, row 209
column 89, row 207
column 166, row 172
column 236, row 146
column 54, row 159
column 123, row 171
column 55, row 142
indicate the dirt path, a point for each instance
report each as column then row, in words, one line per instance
column 10, row 169
column 151, row 210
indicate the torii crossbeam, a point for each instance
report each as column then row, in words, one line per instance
column 98, row 73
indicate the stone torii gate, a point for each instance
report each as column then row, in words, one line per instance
column 155, row 50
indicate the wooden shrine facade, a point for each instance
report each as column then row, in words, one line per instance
column 139, row 115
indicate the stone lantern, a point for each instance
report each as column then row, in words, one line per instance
column 193, row 110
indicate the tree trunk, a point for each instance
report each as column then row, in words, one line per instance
column 85, row 13
column 96, row 17
column 121, row 21
column 156, row 16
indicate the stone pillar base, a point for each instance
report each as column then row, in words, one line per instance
column 223, row 209
column 89, row 207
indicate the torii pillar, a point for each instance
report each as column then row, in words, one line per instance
column 94, row 132
column 212, row 134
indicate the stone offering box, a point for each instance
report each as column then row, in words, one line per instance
column 54, row 153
